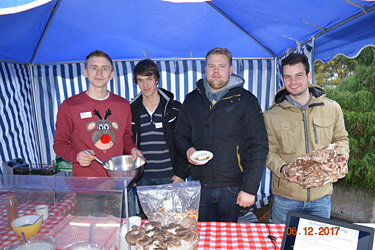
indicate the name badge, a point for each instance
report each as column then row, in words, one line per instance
column 86, row 115
column 158, row 125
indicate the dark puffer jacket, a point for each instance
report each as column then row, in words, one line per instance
column 171, row 110
column 233, row 130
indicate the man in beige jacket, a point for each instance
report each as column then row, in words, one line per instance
column 301, row 120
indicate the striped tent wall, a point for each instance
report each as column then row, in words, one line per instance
column 55, row 83
column 18, row 137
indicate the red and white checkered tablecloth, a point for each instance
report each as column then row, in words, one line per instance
column 236, row 236
column 212, row 235
column 57, row 213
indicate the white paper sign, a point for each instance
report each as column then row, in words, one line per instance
column 312, row 235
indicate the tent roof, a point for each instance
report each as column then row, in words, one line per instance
column 67, row 30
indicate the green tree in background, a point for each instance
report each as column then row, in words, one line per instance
column 352, row 86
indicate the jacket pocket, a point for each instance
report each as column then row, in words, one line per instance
column 288, row 134
column 323, row 130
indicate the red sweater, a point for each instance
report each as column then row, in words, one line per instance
column 104, row 126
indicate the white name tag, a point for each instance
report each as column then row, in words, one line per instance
column 86, row 115
column 158, row 125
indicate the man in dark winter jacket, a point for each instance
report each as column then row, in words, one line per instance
column 154, row 117
column 222, row 117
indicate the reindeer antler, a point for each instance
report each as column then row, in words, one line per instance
column 97, row 114
column 107, row 113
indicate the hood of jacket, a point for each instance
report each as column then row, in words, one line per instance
column 234, row 81
column 165, row 98
column 315, row 90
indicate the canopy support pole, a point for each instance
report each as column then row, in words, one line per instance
column 45, row 30
column 35, row 113
column 365, row 11
column 239, row 27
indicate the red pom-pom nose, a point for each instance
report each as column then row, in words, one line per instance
column 105, row 139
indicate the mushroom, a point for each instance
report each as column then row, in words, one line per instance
column 172, row 241
column 188, row 236
column 182, row 230
column 133, row 236
column 156, row 244
column 159, row 235
column 318, row 168
column 145, row 240
column 152, row 224
column 170, row 229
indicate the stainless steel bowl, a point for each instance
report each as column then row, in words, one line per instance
column 123, row 166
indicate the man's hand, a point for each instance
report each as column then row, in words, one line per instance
column 245, row 199
column 291, row 179
column 177, row 179
column 189, row 153
column 84, row 159
column 135, row 153
column 342, row 158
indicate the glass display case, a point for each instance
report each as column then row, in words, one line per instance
column 75, row 206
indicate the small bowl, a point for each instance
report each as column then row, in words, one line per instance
column 201, row 156
column 30, row 230
column 33, row 243
column 83, row 245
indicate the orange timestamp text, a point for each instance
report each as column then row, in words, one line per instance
column 310, row 231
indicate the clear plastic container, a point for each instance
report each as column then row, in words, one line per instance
column 12, row 210
column 84, row 245
column 44, row 242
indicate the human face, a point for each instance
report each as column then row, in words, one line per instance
column 296, row 80
column 98, row 71
column 148, row 85
column 218, row 70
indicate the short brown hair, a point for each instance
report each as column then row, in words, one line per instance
column 220, row 51
column 293, row 59
column 98, row 53
column 146, row 67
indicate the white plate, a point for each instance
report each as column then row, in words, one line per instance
column 201, row 156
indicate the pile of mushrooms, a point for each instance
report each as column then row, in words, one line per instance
column 155, row 236
column 319, row 167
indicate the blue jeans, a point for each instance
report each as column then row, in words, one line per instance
column 219, row 204
column 281, row 206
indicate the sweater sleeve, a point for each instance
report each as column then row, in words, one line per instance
column 64, row 133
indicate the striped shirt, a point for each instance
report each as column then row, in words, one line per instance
column 153, row 145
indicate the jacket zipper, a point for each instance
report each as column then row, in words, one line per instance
column 239, row 158
column 306, row 144
column 315, row 135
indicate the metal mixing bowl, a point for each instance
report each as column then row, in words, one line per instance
column 123, row 166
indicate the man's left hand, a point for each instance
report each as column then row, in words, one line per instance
column 245, row 199
column 177, row 179
column 342, row 158
column 135, row 153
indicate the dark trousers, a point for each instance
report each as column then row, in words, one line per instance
column 219, row 204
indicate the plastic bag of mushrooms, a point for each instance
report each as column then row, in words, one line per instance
column 172, row 211
column 318, row 167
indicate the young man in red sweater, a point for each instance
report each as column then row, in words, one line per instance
column 95, row 120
